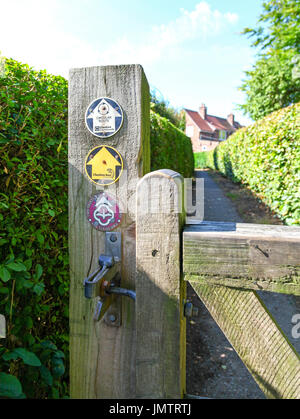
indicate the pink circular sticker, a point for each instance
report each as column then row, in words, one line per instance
column 103, row 212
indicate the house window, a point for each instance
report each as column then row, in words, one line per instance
column 204, row 148
column 222, row 135
column 189, row 130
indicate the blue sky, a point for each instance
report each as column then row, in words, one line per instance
column 192, row 51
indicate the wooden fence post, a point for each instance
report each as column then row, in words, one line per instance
column 160, row 292
column 102, row 354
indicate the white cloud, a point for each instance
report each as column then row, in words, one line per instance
column 231, row 17
column 31, row 31
column 197, row 24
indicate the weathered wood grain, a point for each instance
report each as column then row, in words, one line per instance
column 247, row 256
column 160, row 292
column 102, row 357
column 257, row 339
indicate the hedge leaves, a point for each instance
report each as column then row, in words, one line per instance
column 33, row 222
column 170, row 147
column 266, row 156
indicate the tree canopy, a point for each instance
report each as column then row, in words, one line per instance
column 274, row 80
column 162, row 107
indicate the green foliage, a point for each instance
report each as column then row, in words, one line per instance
column 274, row 81
column 29, row 358
column 10, row 386
column 162, row 108
column 271, row 84
column 201, row 159
column 266, row 156
column 278, row 25
column 40, row 374
column 33, row 227
column 170, row 147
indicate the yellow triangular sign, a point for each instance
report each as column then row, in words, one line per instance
column 103, row 164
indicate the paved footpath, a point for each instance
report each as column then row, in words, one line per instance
column 221, row 372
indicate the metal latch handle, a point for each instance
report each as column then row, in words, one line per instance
column 121, row 291
column 105, row 262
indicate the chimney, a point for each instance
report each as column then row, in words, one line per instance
column 203, row 111
column 230, row 119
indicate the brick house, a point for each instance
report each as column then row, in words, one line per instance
column 206, row 131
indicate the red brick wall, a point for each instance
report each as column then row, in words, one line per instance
column 210, row 145
column 196, row 142
column 195, row 137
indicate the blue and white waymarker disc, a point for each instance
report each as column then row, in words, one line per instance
column 104, row 117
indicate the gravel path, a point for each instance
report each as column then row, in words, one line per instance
column 214, row 369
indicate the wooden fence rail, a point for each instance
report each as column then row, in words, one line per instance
column 224, row 262
column 247, row 256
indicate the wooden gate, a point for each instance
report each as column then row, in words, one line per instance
column 226, row 263
column 138, row 349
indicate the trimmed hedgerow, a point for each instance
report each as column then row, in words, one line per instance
column 266, row 156
column 34, row 280
column 170, row 147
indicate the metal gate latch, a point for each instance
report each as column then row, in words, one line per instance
column 104, row 282
column 108, row 268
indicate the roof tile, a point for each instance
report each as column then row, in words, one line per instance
column 200, row 122
column 216, row 121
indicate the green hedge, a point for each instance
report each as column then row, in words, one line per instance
column 34, row 270
column 266, row 156
column 34, row 280
column 200, row 159
column 170, row 147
